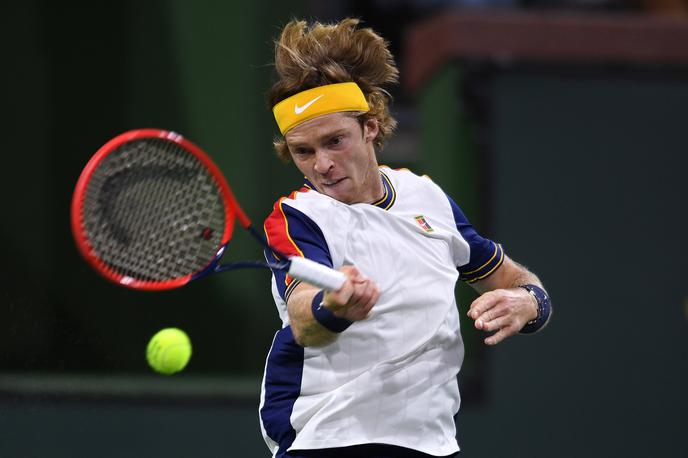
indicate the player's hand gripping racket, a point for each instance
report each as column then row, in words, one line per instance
column 151, row 211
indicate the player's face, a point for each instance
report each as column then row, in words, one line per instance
column 336, row 154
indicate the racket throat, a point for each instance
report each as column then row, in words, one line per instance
column 250, row 265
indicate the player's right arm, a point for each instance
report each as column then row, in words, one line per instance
column 352, row 302
column 294, row 233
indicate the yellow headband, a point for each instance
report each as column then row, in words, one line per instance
column 322, row 100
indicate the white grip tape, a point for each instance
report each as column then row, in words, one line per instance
column 316, row 274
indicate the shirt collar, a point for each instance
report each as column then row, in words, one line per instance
column 387, row 200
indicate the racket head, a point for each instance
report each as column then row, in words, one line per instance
column 151, row 210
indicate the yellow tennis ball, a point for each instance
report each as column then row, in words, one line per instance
column 168, row 351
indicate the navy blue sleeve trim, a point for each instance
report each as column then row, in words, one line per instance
column 309, row 240
column 485, row 255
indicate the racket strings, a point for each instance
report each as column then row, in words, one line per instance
column 153, row 212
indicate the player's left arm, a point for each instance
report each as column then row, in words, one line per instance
column 504, row 305
column 512, row 298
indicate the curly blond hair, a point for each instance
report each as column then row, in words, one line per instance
column 308, row 56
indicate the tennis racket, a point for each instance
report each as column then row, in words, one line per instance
column 151, row 211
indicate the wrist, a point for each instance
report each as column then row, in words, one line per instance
column 544, row 309
column 325, row 317
column 534, row 302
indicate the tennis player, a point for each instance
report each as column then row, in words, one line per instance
column 370, row 370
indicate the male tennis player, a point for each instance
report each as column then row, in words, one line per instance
column 370, row 370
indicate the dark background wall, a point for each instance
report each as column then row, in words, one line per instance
column 80, row 75
column 577, row 170
column 587, row 183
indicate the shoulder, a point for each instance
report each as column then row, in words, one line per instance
column 407, row 177
column 303, row 201
column 304, row 210
column 411, row 185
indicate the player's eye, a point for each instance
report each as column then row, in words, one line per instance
column 300, row 151
column 335, row 141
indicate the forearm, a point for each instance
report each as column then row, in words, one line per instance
column 521, row 276
column 510, row 275
column 307, row 331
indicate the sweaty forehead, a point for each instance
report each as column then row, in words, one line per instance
column 322, row 126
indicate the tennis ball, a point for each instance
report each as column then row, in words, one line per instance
column 168, row 351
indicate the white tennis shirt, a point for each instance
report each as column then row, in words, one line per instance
column 391, row 378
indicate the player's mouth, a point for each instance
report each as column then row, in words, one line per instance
column 332, row 184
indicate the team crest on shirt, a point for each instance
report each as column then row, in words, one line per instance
column 420, row 219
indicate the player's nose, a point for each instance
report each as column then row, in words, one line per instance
column 323, row 162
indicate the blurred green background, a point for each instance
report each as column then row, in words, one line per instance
column 578, row 170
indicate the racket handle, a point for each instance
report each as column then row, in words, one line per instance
column 316, row 274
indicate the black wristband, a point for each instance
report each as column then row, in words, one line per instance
column 326, row 318
column 544, row 309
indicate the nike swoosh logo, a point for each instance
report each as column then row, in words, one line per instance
column 299, row 110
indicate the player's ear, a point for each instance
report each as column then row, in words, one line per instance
column 370, row 129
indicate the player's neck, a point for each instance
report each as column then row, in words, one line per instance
column 374, row 190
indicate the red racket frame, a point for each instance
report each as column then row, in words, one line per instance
column 230, row 203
